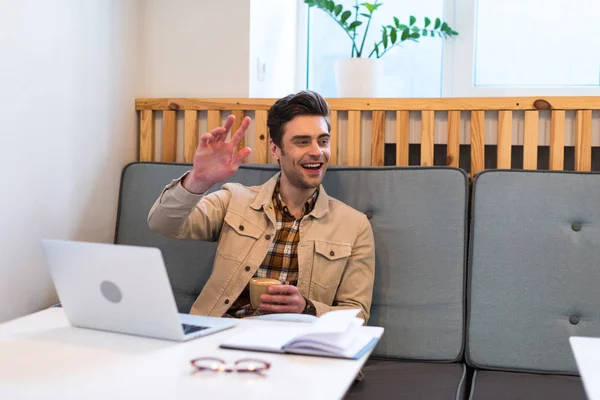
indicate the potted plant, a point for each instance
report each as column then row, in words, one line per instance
column 359, row 75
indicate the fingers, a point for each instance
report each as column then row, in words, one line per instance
column 277, row 299
column 205, row 139
column 282, row 299
column 284, row 289
column 241, row 155
column 236, row 138
column 220, row 133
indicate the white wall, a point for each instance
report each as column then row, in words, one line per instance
column 273, row 40
column 194, row 48
column 67, row 128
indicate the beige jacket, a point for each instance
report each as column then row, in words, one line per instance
column 336, row 252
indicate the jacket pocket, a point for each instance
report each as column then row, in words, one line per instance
column 329, row 264
column 237, row 237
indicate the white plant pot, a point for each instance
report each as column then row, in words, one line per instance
column 359, row 77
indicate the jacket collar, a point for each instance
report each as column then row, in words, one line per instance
column 265, row 196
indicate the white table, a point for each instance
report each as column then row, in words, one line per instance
column 587, row 356
column 42, row 356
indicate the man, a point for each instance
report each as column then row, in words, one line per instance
column 288, row 228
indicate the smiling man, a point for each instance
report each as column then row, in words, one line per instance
column 288, row 229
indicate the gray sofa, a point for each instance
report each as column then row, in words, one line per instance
column 478, row 293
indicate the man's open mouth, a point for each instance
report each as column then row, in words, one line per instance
column 312, row 166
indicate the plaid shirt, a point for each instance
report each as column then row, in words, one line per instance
column 281, row 262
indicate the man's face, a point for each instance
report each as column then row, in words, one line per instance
column 304, row 153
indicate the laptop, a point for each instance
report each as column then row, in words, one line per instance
column 121, row 288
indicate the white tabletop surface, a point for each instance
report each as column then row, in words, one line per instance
column 587, row 356
column 42, row 356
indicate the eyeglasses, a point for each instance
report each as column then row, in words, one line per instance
column 212, row 364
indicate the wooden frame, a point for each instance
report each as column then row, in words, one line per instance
column 356, row 139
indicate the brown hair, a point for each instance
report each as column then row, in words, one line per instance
column 305, row 102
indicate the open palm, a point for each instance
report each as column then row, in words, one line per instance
column 216, row 159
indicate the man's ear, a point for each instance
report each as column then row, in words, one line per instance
column 275, row 150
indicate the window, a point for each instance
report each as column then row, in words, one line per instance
column 549, row 48
column 523, row 48
column 504, row 48
column 411, row 70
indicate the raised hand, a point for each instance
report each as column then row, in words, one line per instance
column 216, row 159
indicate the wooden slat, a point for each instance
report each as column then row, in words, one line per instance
column 261, row 142
column 530, row 140
column 453, row 149
column 213, row 119
column 190, row 134
column 427, row 138
column 169, row 136
column 147, row 136
column 402, row 137
column 383, row 104
column 477, row 142
column 378, row 139
column 333, row 140
column 504, row 139
column 557, row 140
column 239, row 116
column 583, row 140
column 354, row 145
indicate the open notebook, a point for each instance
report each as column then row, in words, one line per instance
column 334, row 334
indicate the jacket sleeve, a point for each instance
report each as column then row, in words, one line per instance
column 180, row 214
column 356, row 286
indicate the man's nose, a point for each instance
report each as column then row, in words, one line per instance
column 315, row 149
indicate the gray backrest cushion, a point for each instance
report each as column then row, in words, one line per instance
column 419, row 223
column 530, row 271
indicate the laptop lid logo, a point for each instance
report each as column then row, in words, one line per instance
column 111, row 292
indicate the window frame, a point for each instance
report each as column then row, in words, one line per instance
column 457, row 81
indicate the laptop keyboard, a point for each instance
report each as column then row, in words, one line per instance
column 192, row 328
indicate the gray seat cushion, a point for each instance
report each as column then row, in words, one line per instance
column 534, row 269
column 496, row 385
column 409, row 380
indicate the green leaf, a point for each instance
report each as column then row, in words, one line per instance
column 444, row 26
column 438, row 22
column 416, row 29
column 427, row 22
column 454, row 33
column 377, row 50
column 354, row 25
column 412, row 20
column 366, row 15
column 404, row 35
column 384, row 38
column 424, row 32
column 310, row 3
column 397, row 22
column 432, row 33
column 415, row 35
column 330, row 5
column 322, row 4
column 338, row 9
column 345, row 15
column 370, row 7
column 402, row 27
column 393, row 35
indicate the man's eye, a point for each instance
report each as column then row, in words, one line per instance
column 324, row 142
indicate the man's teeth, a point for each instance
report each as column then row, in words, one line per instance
column 311, row 165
